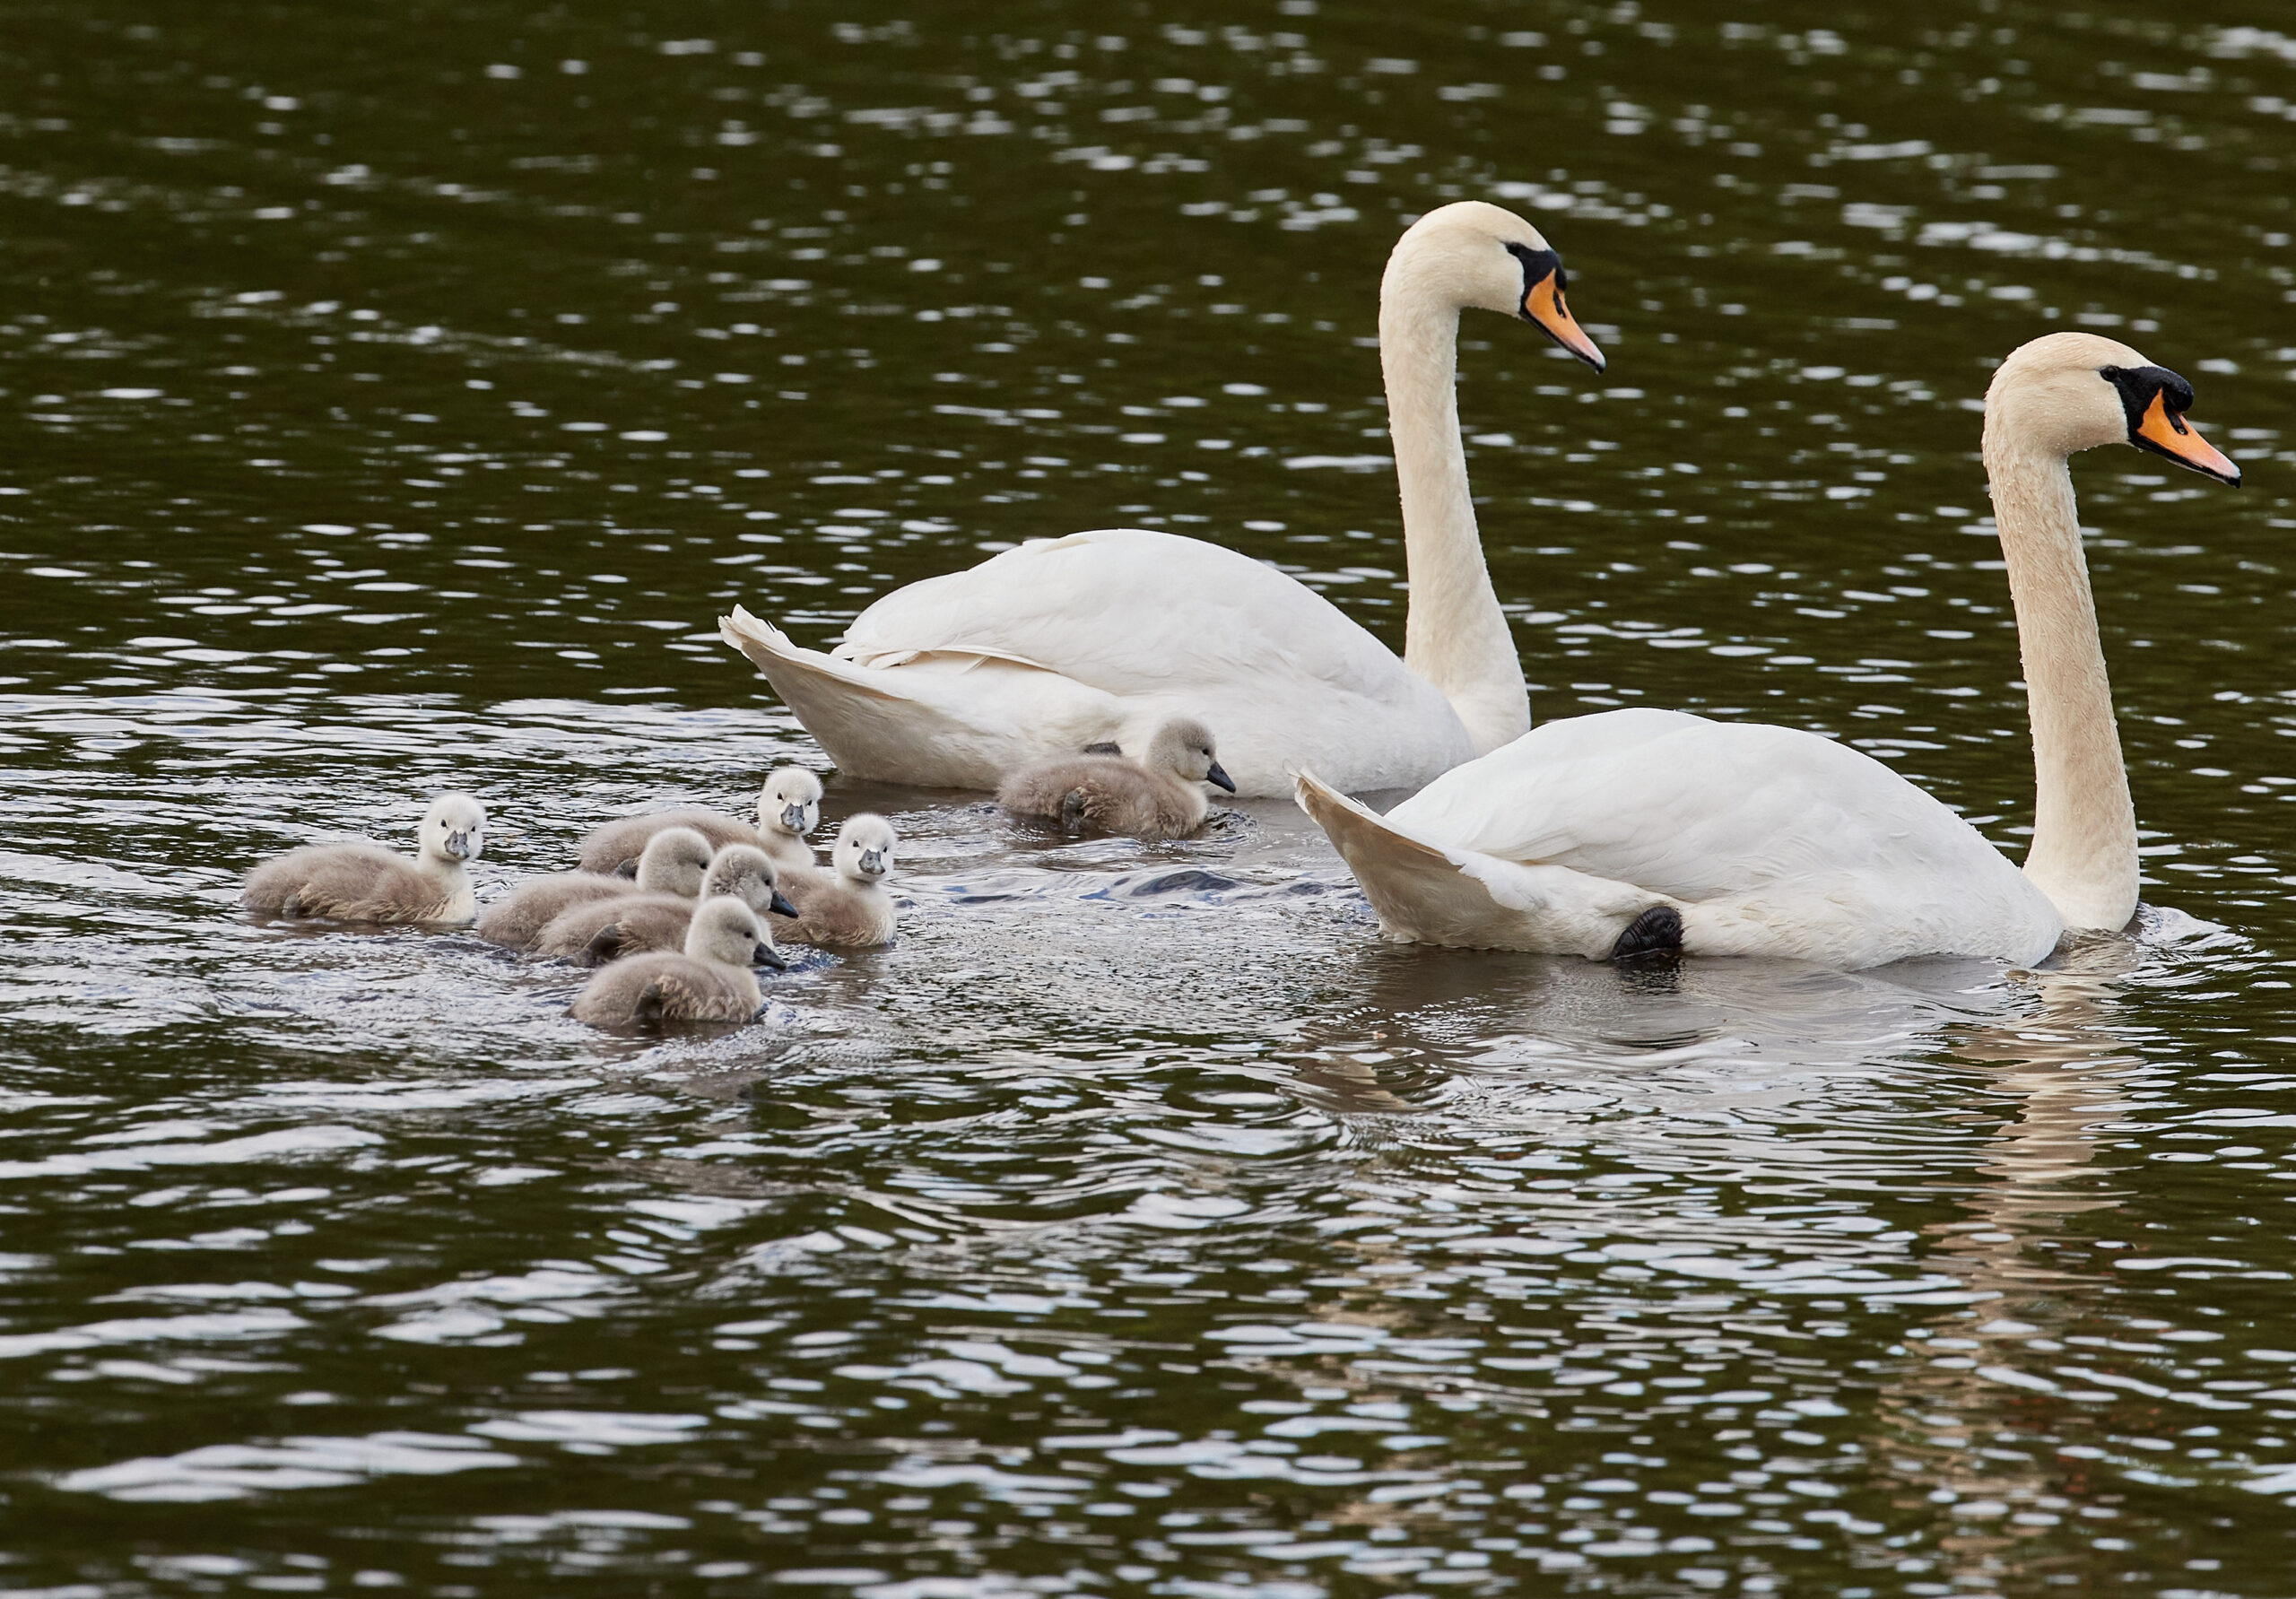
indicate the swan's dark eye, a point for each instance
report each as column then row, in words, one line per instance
column 1537, row 265
column 2139, row 385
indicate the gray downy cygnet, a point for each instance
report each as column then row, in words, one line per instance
column 363, row 882
column 847, row 908
column 712, row 980
column 788, row 807
column 603, row 930
column 672, row 863
column 1160, row 795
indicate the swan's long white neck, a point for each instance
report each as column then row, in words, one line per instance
column 1456, row 636
column 2083, row 853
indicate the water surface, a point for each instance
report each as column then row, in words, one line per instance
column 392, row 398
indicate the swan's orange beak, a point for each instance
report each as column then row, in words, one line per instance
column 1542, row 305
column 2165, row 432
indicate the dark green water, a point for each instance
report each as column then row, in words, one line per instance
column 392, row 396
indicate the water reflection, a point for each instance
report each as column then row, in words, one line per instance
column 1975, row 1430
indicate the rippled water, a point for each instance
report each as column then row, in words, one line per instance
column 392, row 398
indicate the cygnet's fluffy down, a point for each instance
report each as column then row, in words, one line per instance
column 1159, row 797
column 847, row 908
column 672, row 863
column 788, row 807
column 710, row 981
column 361, row 882
column 603, row 930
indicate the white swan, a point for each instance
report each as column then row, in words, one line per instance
column 1640, row 830
column 1098, row 637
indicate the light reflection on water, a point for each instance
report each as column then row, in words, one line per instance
column 1747, row 1268
column 379, row 422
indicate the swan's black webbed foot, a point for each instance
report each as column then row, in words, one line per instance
column 1657, row 931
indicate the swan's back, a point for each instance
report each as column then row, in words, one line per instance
column 662, row 989
column 274, row 888
column 1105, row 793
column 1194, row 611
column 1103, row 636
column 614, row 847
column 1788, row 825
column 1686, row 806
column 605, row 930
column 517, row 919
column 354, row 882
column 838, row 914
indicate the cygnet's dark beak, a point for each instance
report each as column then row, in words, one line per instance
column 1215, row 774
column 793, row 817
column 768, row 956
column 458, row 845
column 780, row 905
column 628, row 868
column 872, row 862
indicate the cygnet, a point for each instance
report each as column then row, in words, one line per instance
column 788, row 807
column 363, row 882
column 603, row 930
column 847, row 908
column 1160, row 796
column 672, row 863
column 710, row 981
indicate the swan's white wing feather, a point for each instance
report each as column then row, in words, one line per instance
column 1128, row 610
column 1773, row 840
column 940, row 721
column 1688, row 807
column 1043, row 649
column 1425, row 893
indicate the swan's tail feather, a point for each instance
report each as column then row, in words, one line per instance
column 1426, row 894
column 780, row 658
column 862, row 715
column 931, row 721
column 1417, row 890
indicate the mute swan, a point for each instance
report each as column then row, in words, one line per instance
column 788, row 807
column 637, row 923
column 1160, row 796
column 710, row 981
column 847, row 906
column 363, row 882
column 674, row 862
column 1635, row 829
column 1063, row 643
